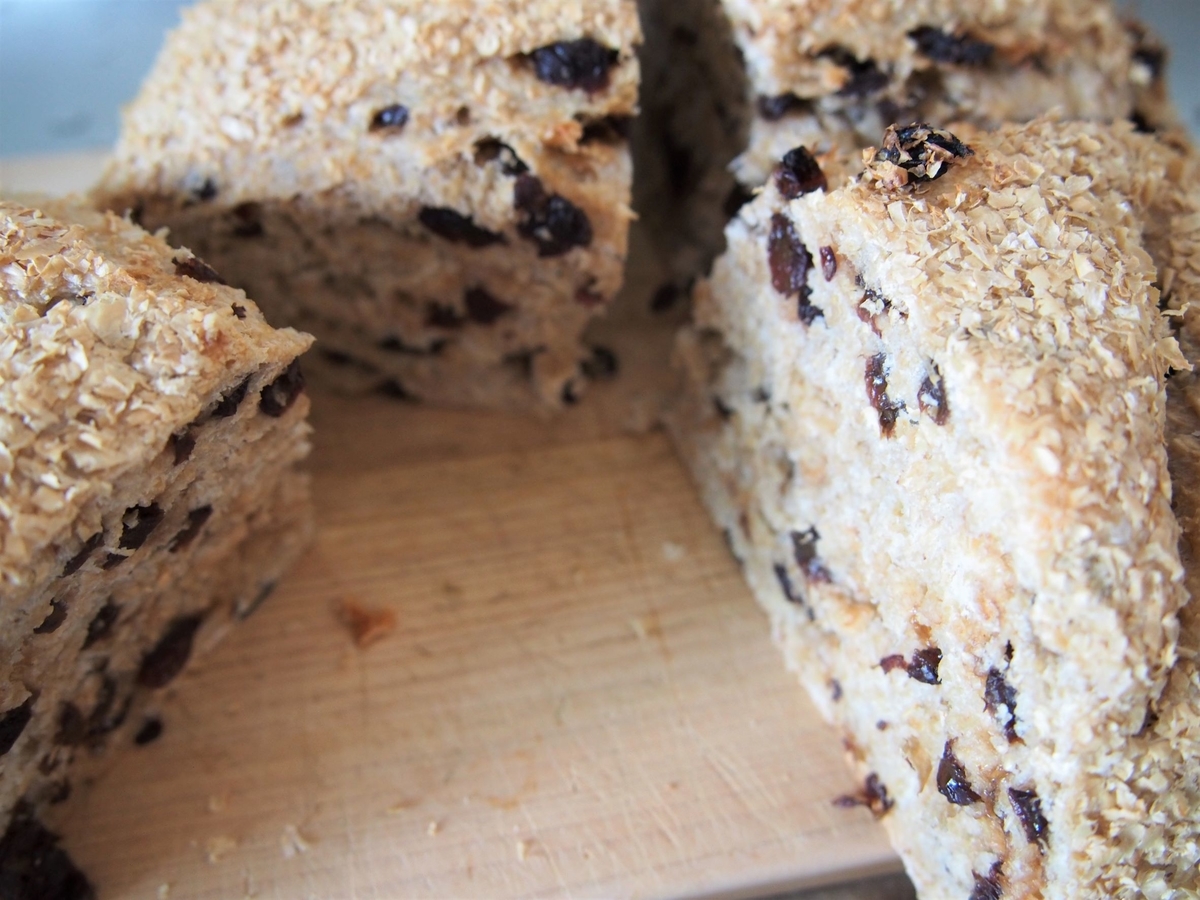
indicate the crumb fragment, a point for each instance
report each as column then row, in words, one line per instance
column 365, row 625
column 292, row 843
column 164, row 891
column 433, row 828
column 524, row 848
column 673, row 552
column 218, row 802
column 217, row 848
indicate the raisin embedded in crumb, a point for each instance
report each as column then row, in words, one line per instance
column 239, row 311
column 874, row 796
column 921, row 151
column 724, row 410
column 439, row 316
column 1153, row 58
column 206, row 191
column 956, row 49
column 229, row 403
column 455, row 227
column 482, row 307
column 150, row 732
column 391, row 118
column 168, row 657
column 893, row 662
column 551, row 221
column 102, row 623
column 988, row 887
column 804, row 547
column 998, row 692
column 864, row 76
column 90, row 546
column 247, row 224
column 33, row 866
column 664, row 298
column 881, row 725
column 582, row 63
column 569, row 395
column 888, row 409
column 181, row 444
column 278, row 396
column 932, row 397
column 13, row 722
column 139, row 523
column 195, row 521
column 490, row 149
column 55, row 618
column 788, row 257
column 607, row 130
column 785, row 584
column 601, row 364
column 835, row 689
column 799, row 173
column 775, row 108
column 828, row 263
column 1029, row 810
column 761, row 394
column 952, row 780
column 196, row 269
column 924, row 666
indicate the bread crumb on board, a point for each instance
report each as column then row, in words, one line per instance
column 366, row 625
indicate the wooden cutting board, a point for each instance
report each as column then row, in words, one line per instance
column 579, row 696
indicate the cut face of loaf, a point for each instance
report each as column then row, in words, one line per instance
column 151, row 424
column 929, row 409
column 439, row 192
column 834, row 76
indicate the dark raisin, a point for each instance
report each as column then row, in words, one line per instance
column 55, row 618
column 835, row 689
column 932, row 397
column 72, row 726
column 888, row 409
column 482, row 307
column 1008, row 651
column 181, row 444
column 440, row 316
column 607, row 130
column 278, row 396
column 168, row 657
column 788, row 257
column 739, row 195
column 956, row 49
column 396, row 345
column 874, row 796
column 1029, row 810
column 13, row 722
column 551, row 221
column 138, row 524
column 665, row 298
column 229, row 403
column 150, row 732
column 724, row 410
column 582, row 63
column 893, row 662
column 863, row 75
column 601, row 364
column 997, row 693
column 391, row 118
column 196, row 269
column 90, row 546
column 881, row 725
column 395, row 389
column 921, row 150
column 988, row 887
column 490, row 149
column 775, row 108
column 245, row 611
column 102, row 623
column 239, row 311
column 247, row 223
column 569, row 394
column 108, row 715
column 34, row 867
column 952, row 780
column 804, row 546
column 785, row 584
column 462, row 116
column 924, row 666
column 1148, row 721
column 195, row 521
column 1141, row 124
column 799, row 173
column 828, row 263
column 206, row 191
column 455, row 227
column 761, row 394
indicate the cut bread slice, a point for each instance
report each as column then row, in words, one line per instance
column 439, row 192
column 151, row 426
column 935, row 410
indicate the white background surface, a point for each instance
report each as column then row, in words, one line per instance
column 66, row 66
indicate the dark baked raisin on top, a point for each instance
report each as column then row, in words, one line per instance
column 952, row 781
column 799, row 173
column 196, row 269
column 582, row 63
column 551, row 221
column 956, row 49
column 922, row 151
